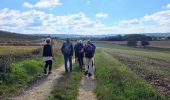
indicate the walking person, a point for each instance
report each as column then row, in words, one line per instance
column 80, row 53
column 67, row 51
column 75, row 51
column 89, row 54
column 48, row 56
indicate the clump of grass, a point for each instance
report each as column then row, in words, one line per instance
column 115, row 81
column 67, row 87
column 19, row 75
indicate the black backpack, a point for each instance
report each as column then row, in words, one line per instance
column 90, row 51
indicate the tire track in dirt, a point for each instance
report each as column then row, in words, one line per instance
column 41, row 90
column 86, row 89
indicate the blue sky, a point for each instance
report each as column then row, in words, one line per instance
column 85, row 16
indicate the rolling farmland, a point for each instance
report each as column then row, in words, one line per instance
column 16, row 49
column 153, row 66
column 122, row 72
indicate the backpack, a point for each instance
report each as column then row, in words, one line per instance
column 90, row 51
column 79, row 49
column 67, row 48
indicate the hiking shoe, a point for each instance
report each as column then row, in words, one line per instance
column 86, row 72
column 49, row 72
column 89, row 74
column 45, row 72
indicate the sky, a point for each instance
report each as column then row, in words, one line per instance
column 85, row 17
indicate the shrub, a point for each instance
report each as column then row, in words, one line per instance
column 144, row 43
column 5, row 61
column 131, row 43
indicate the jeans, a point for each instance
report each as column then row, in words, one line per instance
column 66, row 59
column 49, row 65
column 80, row 60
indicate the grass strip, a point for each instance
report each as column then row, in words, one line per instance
column 67, row 87
column 115, row 81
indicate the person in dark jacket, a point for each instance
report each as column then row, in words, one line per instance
column 80, row 53
column 48, row 56
column 67, row 51
column 75, row 51
column 89, row 50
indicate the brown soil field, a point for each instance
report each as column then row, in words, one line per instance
column 140, row 65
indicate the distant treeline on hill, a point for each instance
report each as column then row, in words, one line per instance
column 10, row 37
column 131, row 37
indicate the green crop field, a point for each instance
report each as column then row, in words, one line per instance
column 145, row 70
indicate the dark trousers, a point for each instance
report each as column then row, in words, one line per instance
column 48, row 64
column 80, row 60
column 66, row 59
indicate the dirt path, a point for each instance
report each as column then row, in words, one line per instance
column 86, row 89
column 40, row 91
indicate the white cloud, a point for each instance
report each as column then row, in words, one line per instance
column 131, row 21
column 34, row 21
column 168, row 6
column 101, row 15
column 43, row 4
column 27, row 5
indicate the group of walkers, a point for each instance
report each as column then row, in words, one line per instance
column 67, row 49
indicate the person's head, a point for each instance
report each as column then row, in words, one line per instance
column 88, row 42
column 80, row 41
column 48, row 40
column 68, row 39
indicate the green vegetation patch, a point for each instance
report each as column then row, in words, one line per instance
column 115, row 81
column 67, row 87
column 21, row 73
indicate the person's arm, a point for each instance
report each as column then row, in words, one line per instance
column 94, row 46
column 75, row 47
column 52, row 51
column 85, row 48
column 62, row 49
column 43, row 54
column 71, row 49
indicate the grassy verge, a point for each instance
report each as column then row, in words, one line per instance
column 23, row 72
column 19, row 75
column 67, row 87
column 115, row 81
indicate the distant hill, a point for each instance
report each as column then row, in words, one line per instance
column 10, row 37
column 62, row 36
column 157, row 34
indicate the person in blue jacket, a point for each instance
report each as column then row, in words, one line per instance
column 67, row 51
